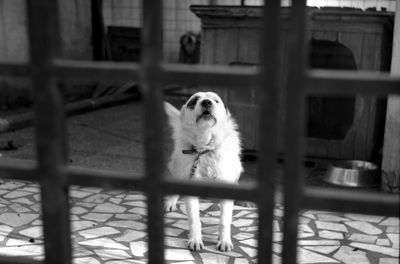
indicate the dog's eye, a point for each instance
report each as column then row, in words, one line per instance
column 192, row 103
column 216, row 101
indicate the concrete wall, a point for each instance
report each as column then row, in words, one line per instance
column 13, row 48
column 75, row 30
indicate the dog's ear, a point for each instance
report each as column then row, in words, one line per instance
column 173, row 114
column 228, row 113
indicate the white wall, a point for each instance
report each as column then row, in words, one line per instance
column 388, row 4
column 13, row 31
column 178, row 19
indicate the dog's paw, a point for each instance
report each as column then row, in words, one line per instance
column 170, row 205
column 195, row 244
column 225, row 245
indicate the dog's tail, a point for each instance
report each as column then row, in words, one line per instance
column 173, row 115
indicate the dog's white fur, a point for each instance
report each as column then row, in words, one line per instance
column 204, row 124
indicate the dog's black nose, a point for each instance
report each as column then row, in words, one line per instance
column 206, row 103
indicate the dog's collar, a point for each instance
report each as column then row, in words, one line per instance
column 196, row 159
column 193, row 149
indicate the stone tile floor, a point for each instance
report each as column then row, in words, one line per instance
column 109, row 226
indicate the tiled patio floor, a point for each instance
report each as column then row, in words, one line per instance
column 109, row 226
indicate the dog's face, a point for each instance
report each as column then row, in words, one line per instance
column 204, row 109
column 189, row 42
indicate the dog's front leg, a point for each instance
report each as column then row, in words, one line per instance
column 225, row 242
column 193, row 211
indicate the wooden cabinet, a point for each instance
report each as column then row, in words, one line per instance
column 344, row 128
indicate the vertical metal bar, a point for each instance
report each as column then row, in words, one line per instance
column 269, row 95
column 294, row 134
column 151, row 59
column 50, row 130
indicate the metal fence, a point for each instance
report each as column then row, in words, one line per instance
column 55, row 176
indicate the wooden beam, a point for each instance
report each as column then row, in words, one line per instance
column 391, row 146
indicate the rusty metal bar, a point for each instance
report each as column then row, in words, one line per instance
column 294, row 123
column 268, row 93
column 352, row 82
column 153, row 108
column 351, row 201
column 50, row 130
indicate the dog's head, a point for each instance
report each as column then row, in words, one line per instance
column 203, row 123
column 204, row 109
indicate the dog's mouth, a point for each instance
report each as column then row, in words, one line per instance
column 206, row 116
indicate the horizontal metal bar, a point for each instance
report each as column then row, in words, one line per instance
column 17, row 169
column 15, row 69
column 244, row 191
column 352, row 82
column 319, row 81
column 213, row 75
column 104, row 178
column 351, row 201
column 24, row 170
column 18, row 260
column 94, row 70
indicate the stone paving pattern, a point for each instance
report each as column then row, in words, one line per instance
column 109, row 226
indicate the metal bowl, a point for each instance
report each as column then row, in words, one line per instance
column 353, row 173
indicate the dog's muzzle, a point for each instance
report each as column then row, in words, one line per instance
column 206, row 115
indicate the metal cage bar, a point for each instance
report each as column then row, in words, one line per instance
column 151, row 85
column 210, row 189
column 50, row 130
column 350, row 201
column 14, row 69
column 18, row 169
column 54, row 177
column 294, row 126
column 351, row 82
column 101, row 71
column 269, row 97
column 211, row 75
column 13, row 260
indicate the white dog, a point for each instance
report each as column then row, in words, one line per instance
column 206, row 147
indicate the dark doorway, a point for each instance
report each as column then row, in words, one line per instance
column 330, row 117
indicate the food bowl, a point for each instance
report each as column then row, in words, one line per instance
column 353, row 173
